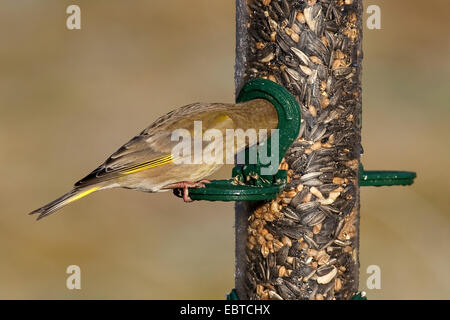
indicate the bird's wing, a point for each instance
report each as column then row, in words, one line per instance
column 140, row 153
column 153, row 146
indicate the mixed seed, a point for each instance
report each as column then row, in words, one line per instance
column 304, row 245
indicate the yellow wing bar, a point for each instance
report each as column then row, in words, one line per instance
column 83, row 194
column 149, row 164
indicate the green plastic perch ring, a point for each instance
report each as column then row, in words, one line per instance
column 289, row 117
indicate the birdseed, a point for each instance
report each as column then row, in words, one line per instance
column 304, row 244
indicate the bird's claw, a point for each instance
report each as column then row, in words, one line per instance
column 185, row 185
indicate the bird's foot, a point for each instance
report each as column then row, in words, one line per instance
column 185, row 185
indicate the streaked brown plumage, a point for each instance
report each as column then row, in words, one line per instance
column 145, row 163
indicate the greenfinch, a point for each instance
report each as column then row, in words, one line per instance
column 147, row 162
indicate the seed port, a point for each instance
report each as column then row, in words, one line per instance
column 248, row 187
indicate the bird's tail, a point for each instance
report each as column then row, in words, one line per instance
column 69, row 197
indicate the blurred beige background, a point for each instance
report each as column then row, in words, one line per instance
column 68, row 99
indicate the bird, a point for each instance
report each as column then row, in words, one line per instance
column 147, row 163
